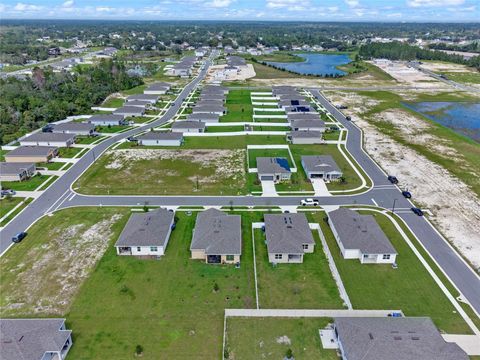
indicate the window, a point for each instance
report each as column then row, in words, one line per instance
column 278, row 256
column 139, row 248
column 386, row 256
column 230, row 257
column 153, row 249
column 305, row 246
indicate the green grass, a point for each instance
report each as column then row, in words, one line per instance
column 267, row 72
column 279, row 56
column 2, row 154
column 239, row 106
column 168, row 306
column 85, row 140
column 254, row 153
column 309, row 285
column 463, row 77
column 113, row 103
column 232, row 142
column 51, row 180
column 271, row 128
column 27, row 185
column 69, row 152
column 15, row 213
column 256, row 338
column 225, row 128
column 271, row 120
column 50, row 165
column 7, row 204
column 111, row 129
column 136, row 90
column 138, row 119
column 409, row 288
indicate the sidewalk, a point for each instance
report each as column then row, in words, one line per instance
column 297, row 313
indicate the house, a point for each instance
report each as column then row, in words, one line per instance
column 188, row 126
column 215, row 89
column 158, row 88
column 299, row 109
column 392, row 338
column 128, row 111
column 76, row 128
column 217, row 237
column 277, row 91
column 205, row 117
column 210, row 102
column 40, row 339
column 315, row 125
column 146, row 234
column 302, row 116
column 212, row 96
column 31, row 154
column 181, row 70
column 273, row 169
column 140, row 103
column 288, row 237
column 152, row 99
column 287, row 103
column 321, row 167
column 160, row 138
column 305, row 137
column 16, row 171
column 48, row 139
column 209, row 109
column 360, row 237
column 107, row 119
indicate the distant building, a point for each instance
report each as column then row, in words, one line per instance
column 321, row 167
column 160, row 138
column 16, row 171
column 76, row 128
column 204, row 117
column 188, row 126
column 48, row 139
column 158, row 88
column 130, row 111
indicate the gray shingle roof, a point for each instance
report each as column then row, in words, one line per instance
column 147, row 229
column 210, row 102
column 322, row 163
column 160, row 135
column 14, row 168
column 307, row 124
column 202, row 116
column 105, row 117
column 41, row 136
column 272, row 165
column 27, row 339
column 305, row 134
column 129, row 110
column 360, row 232
column 286, row 233
column 141, row 103
column 143, row 97
column 158, row 86
column 217, row 233
column 188, row 124
column 73, row 126
column 208, row 108
column 212, row 96
column 302, row 116
column 32, row 151
column 394, row 339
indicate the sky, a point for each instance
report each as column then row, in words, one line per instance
column 304, row 10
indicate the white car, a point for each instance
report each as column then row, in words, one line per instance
column 309, row 202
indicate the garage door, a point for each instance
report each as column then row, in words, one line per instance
column 266, row 178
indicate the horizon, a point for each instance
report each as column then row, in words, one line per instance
column 406, row 11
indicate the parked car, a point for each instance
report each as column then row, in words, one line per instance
column 7, row 192
column 407, row 194
column 349, row 118
column 19, row 237
column 392, row 179
column 309, row 202
column 417, row 211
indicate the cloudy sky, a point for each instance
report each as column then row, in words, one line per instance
column 317, row 10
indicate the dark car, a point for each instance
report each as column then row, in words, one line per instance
column 348, row 118
column 392, row 179
column 407, row 194
column 7, row 192
column 19, row 237
column 417, row 211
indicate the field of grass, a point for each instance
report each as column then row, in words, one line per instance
column 50, row 165
column 111, row 129
column 463, row 77
column 257, row 338
column 225, row 128
column 113, row 103
column 409, row 288
column 309, row 285
column 279, row 56
column 239, row 106
column 27, row 185
column 136, row 90
column 17, row 211
column 267, row 72
column 232, row 142
column 7, row 204
column 69, row 152
column 167, row 306
column 254, row 153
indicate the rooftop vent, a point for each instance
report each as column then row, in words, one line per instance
column 397, row 338
column 370, row 335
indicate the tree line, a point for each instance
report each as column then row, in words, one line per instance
column 47, row 96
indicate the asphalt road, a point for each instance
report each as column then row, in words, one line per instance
column 383, row 194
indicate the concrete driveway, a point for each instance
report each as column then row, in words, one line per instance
column 268, row 188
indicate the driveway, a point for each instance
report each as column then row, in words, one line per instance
column 268, row 188
column 320, row 187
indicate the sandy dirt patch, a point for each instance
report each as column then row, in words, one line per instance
column 403, row 73
column 52, row 273
column 446, row 67
column 218, row 73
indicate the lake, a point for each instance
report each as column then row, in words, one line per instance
column 315, row 64
column 462, row 117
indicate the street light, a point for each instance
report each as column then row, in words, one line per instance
column 393, row 208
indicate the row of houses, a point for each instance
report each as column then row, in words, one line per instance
column 184, row 67
column 137, row 104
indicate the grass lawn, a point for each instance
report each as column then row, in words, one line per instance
column 271, row 120
column 111, row 129
column 12, row 215
column 331, row 135
column 280, row 56
column 409, row 288
column 463, row 77
column 225, row 128
column 113, row 103
column 167, row 306
column 68, row 152
column 42, row 274
column 50, row 165
column 166, row 172
column 232, row 142
column 51, row 180
column 85, row 140
column 7, row 204
column 254, row 153
column 239, row 106
column 139, row 119
column 267, row 72
column 271, row 128
column 27, row 185
column 309, row 285
column 136, row 90
column 257, row 338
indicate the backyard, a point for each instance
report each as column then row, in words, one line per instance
column 27, row 185
column 239, row 106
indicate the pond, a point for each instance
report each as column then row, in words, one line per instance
column 462, row 117
column 315, row 64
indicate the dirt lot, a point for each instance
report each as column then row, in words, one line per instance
column 447, row 67
column 402, row 73
column 244, row 73
column 456, row 215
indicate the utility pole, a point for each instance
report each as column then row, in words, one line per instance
column 393, row 208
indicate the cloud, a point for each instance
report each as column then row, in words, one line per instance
column 220, row 3
column 27, row 7
column 295, row 5
column 434, row 3
column 68, row 3
column 104, row 9
column 352, row 3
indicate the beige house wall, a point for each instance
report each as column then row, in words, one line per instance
column 26, row 159
column 198, row 254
